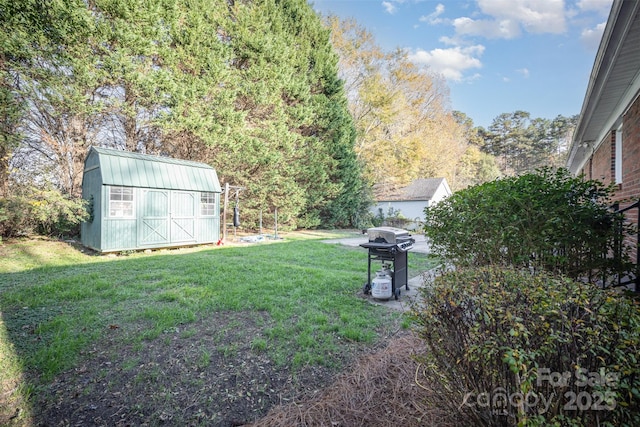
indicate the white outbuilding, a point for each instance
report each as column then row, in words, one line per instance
column 410, row 201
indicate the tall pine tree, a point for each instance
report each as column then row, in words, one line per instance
column 250, row 87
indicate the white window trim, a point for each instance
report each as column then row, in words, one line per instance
column 213, row 203
column 618, row 156
column 133, row 204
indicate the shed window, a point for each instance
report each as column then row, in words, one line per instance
column 120, row 202
column 207, row 204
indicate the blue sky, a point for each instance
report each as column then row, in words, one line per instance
column 497, row 56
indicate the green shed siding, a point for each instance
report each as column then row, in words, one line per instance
column 119, row 235
column 92, row 192
column 166, row 201
column 208, row 228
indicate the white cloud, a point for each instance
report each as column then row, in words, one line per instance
column 475, row 76
column 535, row 16
column 524, row 72
column 591, row 36
column 451, row 41
column 600, row 6
column 389, row 7
column 505, row 29
column 434, row 17
column 452, row 62
column 508, row 17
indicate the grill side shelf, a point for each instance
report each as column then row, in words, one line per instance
column 380, row 247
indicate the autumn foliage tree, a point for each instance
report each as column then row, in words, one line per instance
column 406, row 129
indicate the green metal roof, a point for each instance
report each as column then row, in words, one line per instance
column 124, row 168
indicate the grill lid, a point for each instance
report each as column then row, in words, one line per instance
column 391, row 235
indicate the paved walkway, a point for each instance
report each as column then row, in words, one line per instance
column 407, row 297
column 420, row 245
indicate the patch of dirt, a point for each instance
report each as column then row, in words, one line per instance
column 381, row 389
column 205, row 374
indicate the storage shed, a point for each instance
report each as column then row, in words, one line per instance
column 138, row 201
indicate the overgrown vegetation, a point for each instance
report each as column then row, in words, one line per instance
column 505, row 347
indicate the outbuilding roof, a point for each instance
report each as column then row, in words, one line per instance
column 124, row 168
column 419, row 189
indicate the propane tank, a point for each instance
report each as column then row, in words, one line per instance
column 381, row 284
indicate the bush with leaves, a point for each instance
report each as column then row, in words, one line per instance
column 545, row 220
column 14, row 216
column 506, row 347
column 41, row 211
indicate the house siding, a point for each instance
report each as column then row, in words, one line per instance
column 412, row 209
column 630, row 187
column 599, row 165
column 441, row 193
column 412, row 200
column 602, row 165
column 611, row 105
column 629, row 190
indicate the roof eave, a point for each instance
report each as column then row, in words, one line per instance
column 616, row 30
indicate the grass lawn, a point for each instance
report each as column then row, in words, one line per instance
column 199, row 336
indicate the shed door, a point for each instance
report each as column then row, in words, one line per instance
column 154, row 229
column 183, row 218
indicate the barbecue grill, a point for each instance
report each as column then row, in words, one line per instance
column 389, row 244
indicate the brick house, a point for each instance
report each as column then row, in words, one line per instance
column 606, row 142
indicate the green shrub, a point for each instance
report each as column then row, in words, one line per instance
column 544, row 220
column 14, row 216
column 378, row 219
column 46, row 212
column 505, row 347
